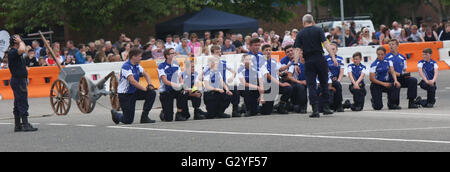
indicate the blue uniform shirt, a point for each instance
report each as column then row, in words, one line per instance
column 399, row 62
column 285, row 61
column 299, row 76
column 335, row 70
column 222, row 67
column 428, row 68
column 189, row 79
column 356, row 71
column 213, row 78
column 258, row 60
column 250, row 75
column 381, row 69
column 171, row 72
column 129, row 69
column 272, row 67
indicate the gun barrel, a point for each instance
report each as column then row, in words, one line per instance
column 101, row 84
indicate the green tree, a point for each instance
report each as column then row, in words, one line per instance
column 97, row 17
column 87, row 16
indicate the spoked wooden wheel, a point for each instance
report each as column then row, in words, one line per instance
column 114, row 96
column 60, row 98
column 84, row 99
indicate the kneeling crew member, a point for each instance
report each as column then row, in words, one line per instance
column 337, row 73
column 190, row 78
column 217, row 94
column 399, row 62
column 170, row 80
column 428, row 70
column 380, row 70
column 251, row 79
column 356, row 73
column 130, row 90
column 270, row 72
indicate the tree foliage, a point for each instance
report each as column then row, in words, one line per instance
column 88, row 15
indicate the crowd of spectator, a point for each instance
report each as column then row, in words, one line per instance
column 193, row 45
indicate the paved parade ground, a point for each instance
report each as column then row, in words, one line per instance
column 404, row 130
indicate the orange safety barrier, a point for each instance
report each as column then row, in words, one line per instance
column 40, row 82
column 278, row 55
column 152, row 69
column 413, row 53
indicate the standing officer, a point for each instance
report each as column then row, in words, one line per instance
column 310, row 40
column 19, row 77
column 130, row 90
column 405, row 79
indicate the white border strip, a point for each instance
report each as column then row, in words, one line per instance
column 283, row 135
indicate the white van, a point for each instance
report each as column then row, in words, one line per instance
column 359, row 24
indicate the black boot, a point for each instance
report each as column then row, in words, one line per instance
column 418, row 101
column 347, row 104
column 243, row 109
column 18, row 125
column 223, row 115
column 236, row 113
column 179, row 116
column 297, row 108
column 27, row 127
column 282, row 109
column 327, row 110
column 315, row 113
column 145, row 119
column 199, row 114
column 339, row 108
column 394, row 107
column 303, row 109
column 412, row 104
column 114, row 117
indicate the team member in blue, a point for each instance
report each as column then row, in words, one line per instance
column 171, row 88
column 288, row 64
column 270, row 72
column 254, row 88
column 380, row 70
column 19, row 77
column 337, row 73
column 190, row 78
column 130, row 90
column 356, row 73
column 405, row 79
column 428, row 70
column 217, row 95
column 300, row 79
column 258, row 60
column 223, row 67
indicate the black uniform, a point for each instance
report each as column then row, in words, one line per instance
column 19, row 78
column 19, row 84
column 310, row 41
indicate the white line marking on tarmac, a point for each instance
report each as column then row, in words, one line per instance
column 283, row 135
column 381, row 130
column 447, row 88
column 6, row 123
column 409, row 113
column 55, row 124
column 85, row 125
